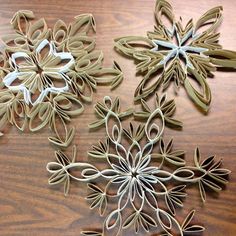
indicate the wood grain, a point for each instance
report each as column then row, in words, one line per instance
column 28, row 206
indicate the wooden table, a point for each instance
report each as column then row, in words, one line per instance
column 28, row 206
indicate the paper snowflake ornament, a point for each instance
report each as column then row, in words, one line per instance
column 178, row 53
column 136, row 176
column 47, row 73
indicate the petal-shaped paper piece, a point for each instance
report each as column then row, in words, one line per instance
column 203, row 98
column 20, row 20
column 132, row 44
column 212, row 18
column 163, row 9
column 60, row 34
column 82, row 24
column 38, row 31
column 223, row 58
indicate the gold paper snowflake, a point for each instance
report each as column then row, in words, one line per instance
column 47, row 73
column 178, row 53
column 137, row 177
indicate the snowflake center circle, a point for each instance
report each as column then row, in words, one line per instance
column 39, row 70
column 134, row 174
